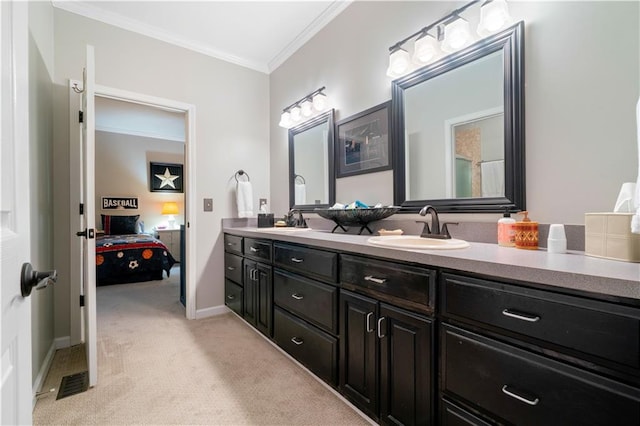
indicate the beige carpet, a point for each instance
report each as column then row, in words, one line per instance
column 156, row 367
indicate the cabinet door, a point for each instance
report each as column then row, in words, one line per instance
column 358, row 351
column 250, row 289
column 264, row 299
column 406, row 367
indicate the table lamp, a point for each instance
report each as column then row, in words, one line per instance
column 170, row 208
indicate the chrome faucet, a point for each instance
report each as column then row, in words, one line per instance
column 435, row 231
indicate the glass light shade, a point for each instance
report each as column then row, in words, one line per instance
column 296, row 114
column 494, row 16
column 320, row 102
column 170, row 208
column 425, row 50
column 457, row 35
column 306, row 108
column 285, row 120
column 399, row 63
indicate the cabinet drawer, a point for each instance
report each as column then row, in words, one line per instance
column 453, row 415
column 233, row 243
column 233, row 267
column 316, row 263
column 526, row 389
column 592, row 327
column 311, row 300
column 233, row 296
column 257, row 249
column 415, row 286
column 313, row 348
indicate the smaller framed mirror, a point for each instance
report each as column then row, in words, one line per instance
column 311, row 164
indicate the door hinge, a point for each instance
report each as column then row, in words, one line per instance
column 80, row 117
column 81, row 300
column 81, row 209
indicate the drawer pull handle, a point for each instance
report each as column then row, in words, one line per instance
column 369, row 328
column 518, row 397
column 298, row 341
column 380, row 335
column 296, row 260
column 230, row 244
column 231, row 297
column 521, row 316
column 375, row 280
column 253, row 249
column 231, row 268
column 297, row 296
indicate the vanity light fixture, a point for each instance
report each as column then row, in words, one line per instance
column 310, row 105
column 452, row 33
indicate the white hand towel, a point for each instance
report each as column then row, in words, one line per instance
column 244, row 199
column 300, row 193
column 492, row 178
column 635, row 220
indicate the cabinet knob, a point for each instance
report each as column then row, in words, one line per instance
column 298, row 341
column 296, row 260
column 297, row 296
column 253, row 249
column 231, row 297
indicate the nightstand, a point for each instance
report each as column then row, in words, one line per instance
column 171, row 239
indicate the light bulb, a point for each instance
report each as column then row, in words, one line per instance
column 456, row 36
column 285, row 120
column 307, row 108
column 494, row 16
column 296, row 114
column 425, row 49
column 399, row 63
column 320, row 102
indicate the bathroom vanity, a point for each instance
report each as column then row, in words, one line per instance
column 482, row 335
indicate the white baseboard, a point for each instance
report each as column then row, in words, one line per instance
column 62, row 342
column 42, row 372
column 213, row 311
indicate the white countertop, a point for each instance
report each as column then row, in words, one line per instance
column 573, row 270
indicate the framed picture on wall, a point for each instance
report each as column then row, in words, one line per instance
column 165, row 177
column 362, row 142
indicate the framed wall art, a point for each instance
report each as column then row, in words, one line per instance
column 165, row 177
column 362, row 142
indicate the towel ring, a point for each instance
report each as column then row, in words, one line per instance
column 241, row 173
column 301, row 179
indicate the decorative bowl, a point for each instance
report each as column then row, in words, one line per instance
column 356, row 217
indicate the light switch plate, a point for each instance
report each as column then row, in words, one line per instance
column 208, row 204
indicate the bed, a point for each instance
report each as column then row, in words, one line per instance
column 127, row 257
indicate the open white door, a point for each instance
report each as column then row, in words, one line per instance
column 88, row 199
column 15, row 350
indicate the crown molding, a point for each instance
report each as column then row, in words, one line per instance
column 333, row 10
column 91, row 12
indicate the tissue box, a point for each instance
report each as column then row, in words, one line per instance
column 265, row 220
column 609, row 235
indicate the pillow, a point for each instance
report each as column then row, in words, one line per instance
column 119, row 225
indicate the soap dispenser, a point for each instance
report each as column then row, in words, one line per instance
column 506, row 231
column 526, row 233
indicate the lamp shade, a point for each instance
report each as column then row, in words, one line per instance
column 296, row 114
column 285, row 120
column 425, row 50
column 320, row 102
column 494, row 16
column 170, row 208
column 456, row 36
column 399, row 63
column 306, row 108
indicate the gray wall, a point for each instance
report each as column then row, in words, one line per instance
column 232, row 130
column 582, row 85
column 122, row 169
column 40, row 191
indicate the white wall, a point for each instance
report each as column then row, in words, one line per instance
column 122, row 170
column 231, row 129
column 40, row 191
column 581, row 85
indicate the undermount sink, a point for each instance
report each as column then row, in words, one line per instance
column 283, row 229
column 417, row 242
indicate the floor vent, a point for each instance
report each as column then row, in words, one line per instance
column 73, row 384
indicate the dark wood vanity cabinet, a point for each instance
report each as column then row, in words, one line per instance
column 258, row 296
column 233, row 274
column 306, row 307
column 386, row 352
column 518, row 355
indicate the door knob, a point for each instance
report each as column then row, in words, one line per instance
column 30, row 279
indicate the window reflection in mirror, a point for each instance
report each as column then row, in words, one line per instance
column 311, row 180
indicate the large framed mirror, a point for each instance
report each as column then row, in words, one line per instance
column 458, row 127
column 311, row 164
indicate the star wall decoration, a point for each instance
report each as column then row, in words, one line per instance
column 165, row 177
